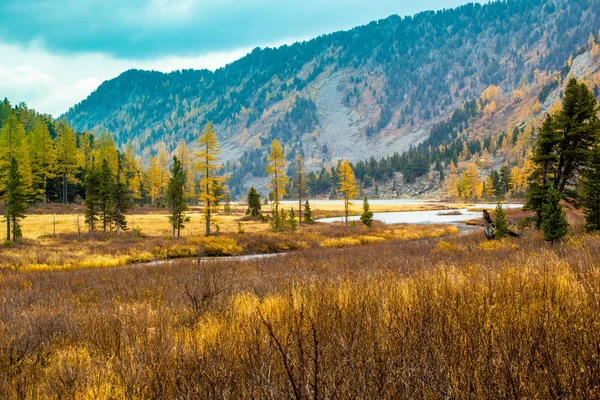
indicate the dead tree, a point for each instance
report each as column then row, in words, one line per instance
column 489, row 228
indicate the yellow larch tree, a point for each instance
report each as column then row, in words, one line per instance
column 451, row 183
column 207, row 165
column 276, row 169
column 347, row 186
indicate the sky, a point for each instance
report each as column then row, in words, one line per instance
column 54, row 53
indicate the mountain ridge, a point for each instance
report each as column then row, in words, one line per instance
column 374, row 90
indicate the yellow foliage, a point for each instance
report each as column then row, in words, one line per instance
column 496, row 245
column 217, row 245
column 445, row 247
column 340, row 242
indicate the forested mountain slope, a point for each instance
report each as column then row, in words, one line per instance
column 373, row 90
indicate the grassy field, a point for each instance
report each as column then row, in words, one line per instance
column 61, row 242
column 457, row 317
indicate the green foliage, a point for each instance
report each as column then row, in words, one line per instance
column 367, row 215
column 92, row 198
column 554, row 220
column 563, row 148
column 500, row 224
column 461, row 62
column 292, row 221
column 591, row 200
column 253, row 203
column 16, row 200
column 307, row 215
column 106, row 194
column 176, row 198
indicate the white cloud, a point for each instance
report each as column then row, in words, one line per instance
column 52, row 83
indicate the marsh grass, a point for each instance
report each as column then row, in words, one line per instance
column 388, row 320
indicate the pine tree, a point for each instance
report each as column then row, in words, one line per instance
column 122, row 197
column 580, row 127
column 554, row 221
column 292, row 221
column 367, row 215
column 253, row 203
column 591, row 200
column 308, row 218
column 500, row 224
column 276, row 170
column 207, row 165
column 347, row 186
column 92, row 197
column 545, row 159
column 176, row 198
column 16, row 200
column 106, row 194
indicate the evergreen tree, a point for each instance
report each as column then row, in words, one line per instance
column 176, row 198
column 16, row 200
column 122, row 197
column 106, row 194
column 500, row 224
column 580, row 126
column 347, row 186
column 367, row 215
column 92, row 197
column 253, row 203
column 591, row 200
column 545, row 159
column 276, row 170
column 308, row 218
column 292, row 221
column 554, row 221
column 207, row 165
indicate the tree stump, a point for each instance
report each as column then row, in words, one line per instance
column 488, row 226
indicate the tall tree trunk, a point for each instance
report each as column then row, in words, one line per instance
column 174, row 226
column 14, row 224
column 208, row 218
column 346, row 209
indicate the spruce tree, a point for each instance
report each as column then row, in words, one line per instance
column 122, row 199
column 367, row 215
column 106, row 194
column 253, row 203
column 591, row 200
column 500, row 224
column 292, row 221
column 92, row 197
column 307, row 217
column 16, row 200
column 554, row 221
column 176, row 198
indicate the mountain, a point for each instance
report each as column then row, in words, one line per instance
column 370, row 91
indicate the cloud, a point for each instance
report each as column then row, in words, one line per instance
column 146, row 29
column 52, row 83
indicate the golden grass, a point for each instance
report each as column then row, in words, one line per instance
column 423, row 319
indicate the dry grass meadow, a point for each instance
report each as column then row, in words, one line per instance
column 445, row 316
